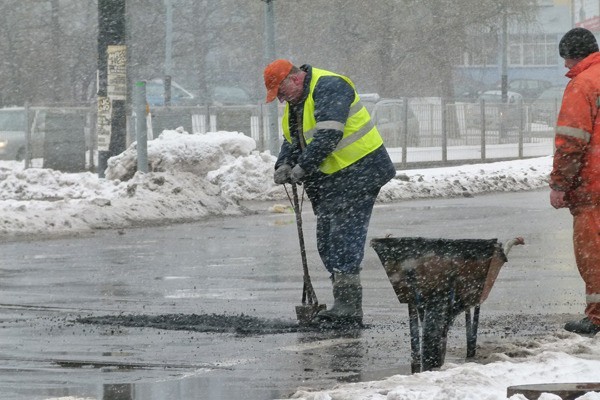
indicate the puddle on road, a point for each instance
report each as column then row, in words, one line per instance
column 218, row 323
column 187, row 388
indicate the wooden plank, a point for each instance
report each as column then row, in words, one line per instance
column 567, row 391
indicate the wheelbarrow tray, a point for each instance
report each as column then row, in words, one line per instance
column 421, row 269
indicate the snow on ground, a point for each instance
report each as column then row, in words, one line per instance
column 193, row 176
column 571, row 358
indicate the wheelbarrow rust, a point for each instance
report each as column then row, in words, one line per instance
column 439, row 279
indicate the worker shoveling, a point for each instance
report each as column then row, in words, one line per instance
column 332, row 147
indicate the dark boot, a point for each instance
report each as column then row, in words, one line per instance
column 347, row 302
column 584, row 326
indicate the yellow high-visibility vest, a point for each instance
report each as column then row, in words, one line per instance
column 361, row 136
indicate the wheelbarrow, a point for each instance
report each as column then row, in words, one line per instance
column 439, row 279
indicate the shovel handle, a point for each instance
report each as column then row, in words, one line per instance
column 308, row 293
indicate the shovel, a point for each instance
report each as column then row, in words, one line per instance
column 310, row 305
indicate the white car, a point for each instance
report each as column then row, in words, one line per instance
column 495, row 97
column 155, row 94
column 388, row 115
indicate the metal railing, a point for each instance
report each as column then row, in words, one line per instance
column 420, row 132
column 435, row 131
column 60, row 137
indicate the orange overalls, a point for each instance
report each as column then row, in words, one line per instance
column 576, row 171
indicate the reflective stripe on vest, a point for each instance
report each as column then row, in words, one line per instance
column 360, row 134
column 592, row 298
column 574, row 132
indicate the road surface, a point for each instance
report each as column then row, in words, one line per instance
column 251, row 265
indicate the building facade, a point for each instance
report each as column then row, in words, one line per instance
column 528, row 49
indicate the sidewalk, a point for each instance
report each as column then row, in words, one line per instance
column 498, row 152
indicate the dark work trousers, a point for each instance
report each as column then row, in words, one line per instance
column 342, row 225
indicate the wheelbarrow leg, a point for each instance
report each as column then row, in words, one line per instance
column 472, row 330
column 415, row 342
column 436, row 324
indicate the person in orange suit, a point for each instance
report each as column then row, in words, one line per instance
column 575, row 177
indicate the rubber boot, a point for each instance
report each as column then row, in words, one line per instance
column 347, row 303
column 584, row 327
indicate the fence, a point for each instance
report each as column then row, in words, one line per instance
column 58, row 137
column 248, row 119
column 417, row 131
column 434, row 131
column 452, row 132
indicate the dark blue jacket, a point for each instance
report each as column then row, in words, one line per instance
column 333, row 97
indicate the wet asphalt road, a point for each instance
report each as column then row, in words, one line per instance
column 251, row 265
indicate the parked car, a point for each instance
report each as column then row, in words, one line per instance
column 467, row 90
column 229, row 95
column 13, row 136
column 511, row 112
column 219, row 95
column 530, row 89
column 388, row 115
column 545, row 108
column 155, row 94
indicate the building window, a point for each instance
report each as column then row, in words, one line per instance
column 533, row 50
column 523, row 50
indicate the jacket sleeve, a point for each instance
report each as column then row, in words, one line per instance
column 573, row 133
column 333, row 97
column 288, row 154
column 285, row 155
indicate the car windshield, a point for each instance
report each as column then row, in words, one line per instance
column 157, row 89
column 550, row 94
column 230, row 94
column 12, row 120
column 491, row 97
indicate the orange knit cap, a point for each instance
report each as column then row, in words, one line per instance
column 274, row 74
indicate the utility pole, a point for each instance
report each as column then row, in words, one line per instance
column 168, row 50
column 269, row 55
column 57, row 82
column 504, row 74
column 112, row 81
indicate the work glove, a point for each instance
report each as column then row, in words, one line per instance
column 297, row 174
column 282, row 174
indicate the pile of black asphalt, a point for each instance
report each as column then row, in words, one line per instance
column 218, row 323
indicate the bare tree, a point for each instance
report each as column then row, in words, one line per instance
column 395, row 47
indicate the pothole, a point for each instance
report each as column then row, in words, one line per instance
column 219, row 323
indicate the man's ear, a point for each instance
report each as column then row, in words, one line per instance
column 294, row 78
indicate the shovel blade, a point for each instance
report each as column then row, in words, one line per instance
column 307, row 312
